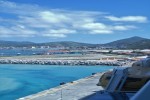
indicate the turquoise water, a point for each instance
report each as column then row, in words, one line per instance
column 21, row 80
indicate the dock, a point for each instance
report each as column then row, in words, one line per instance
column 76, row 90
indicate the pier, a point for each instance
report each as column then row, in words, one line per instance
column 76, row 90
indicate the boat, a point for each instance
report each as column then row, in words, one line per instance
column 133, row 78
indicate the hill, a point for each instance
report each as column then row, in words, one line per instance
column 15, row 44
column 143, row 44
column 129, row 43
column 67, row 44
column 51, row 44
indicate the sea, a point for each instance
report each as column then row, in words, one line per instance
column 23, row 52
column 17, row 81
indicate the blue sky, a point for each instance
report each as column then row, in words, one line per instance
column 90, row 21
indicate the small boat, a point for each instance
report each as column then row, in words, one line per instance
column 18, row 53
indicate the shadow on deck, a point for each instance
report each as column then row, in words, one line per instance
column 100, row 95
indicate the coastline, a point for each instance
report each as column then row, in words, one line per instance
column 87, row 87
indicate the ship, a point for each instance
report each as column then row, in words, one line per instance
column 125, row 83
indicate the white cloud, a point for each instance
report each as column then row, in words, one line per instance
column 54, row 35
column 52, row 17
column 61, row 31
column 94, row 26
column 101, row 31
column 139, row 19
column 123, row 28
column 100, row 28
column 14, row 8
column 32, row 20
column 58, row 33
column 16, row 31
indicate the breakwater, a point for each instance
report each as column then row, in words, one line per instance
column 63, row 62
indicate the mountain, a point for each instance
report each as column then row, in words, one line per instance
column 143, row 44
column 15, row 44
column 67, row 44
column 51, row 44
column 129, row 43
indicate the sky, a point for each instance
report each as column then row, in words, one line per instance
column 88, row 21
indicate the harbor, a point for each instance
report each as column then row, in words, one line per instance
column 23, row 79
column 74, row 50
column 118, row 87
